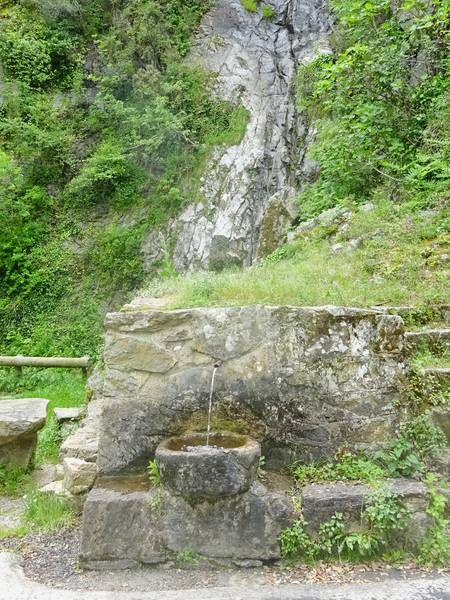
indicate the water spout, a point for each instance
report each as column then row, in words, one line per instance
column 211, row 392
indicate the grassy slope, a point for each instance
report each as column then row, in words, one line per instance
column 400, row 261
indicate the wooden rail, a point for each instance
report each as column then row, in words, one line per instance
column 44, row 361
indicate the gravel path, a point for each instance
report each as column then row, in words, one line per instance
column 52, row 560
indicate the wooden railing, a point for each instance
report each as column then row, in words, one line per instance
column 43, row 361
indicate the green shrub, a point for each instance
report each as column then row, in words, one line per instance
column 435, row 550
column 391, row 121
column 250, row 5
column 267, row 11
column 35, row 53
column 418, row 440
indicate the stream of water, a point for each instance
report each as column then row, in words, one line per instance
column 211, row 392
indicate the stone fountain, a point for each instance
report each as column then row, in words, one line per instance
column 294, row 383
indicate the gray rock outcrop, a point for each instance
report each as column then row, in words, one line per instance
column 20, row 420
column 248, row 188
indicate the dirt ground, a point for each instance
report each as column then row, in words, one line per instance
column 53, row 560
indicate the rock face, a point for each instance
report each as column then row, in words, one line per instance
column 20, row 420
column 301, row 381
column 126, row 526
column 248, row 188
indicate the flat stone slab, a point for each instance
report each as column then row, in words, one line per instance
column 320, row 501
column 68, row 414
column 433, row 339
column 21, row 417
column 20, row 421
column 82, row 444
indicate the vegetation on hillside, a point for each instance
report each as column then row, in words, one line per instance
column 103, row 132
column 381, row 106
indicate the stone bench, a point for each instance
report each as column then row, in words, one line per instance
column 20, row 420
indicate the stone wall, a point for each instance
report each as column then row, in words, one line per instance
column 302, row 381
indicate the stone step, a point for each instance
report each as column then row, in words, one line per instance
column 419, row 314
column 63, row 415
column 435, row 340
column 320, row 501
column 439, row 374
column 82, row 444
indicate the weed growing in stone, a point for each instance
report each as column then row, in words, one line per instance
column 155, row 502
column 267, row 11
column 382, row 518
column 435, row 549
column 186, row 559
column 349, row 467
column 153, row 473
column 417, row 441
column 250, row 5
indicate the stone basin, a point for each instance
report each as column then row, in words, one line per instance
column 226, row 467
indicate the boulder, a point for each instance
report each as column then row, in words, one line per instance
column 79, row 475
column 20, row 421
column 247, row 188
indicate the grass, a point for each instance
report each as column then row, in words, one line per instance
column 436, row 355
column 47, row 512
column 268, row 12
column 62, row 388
column 66, row 389
column 398, row 263
column 250, row 5
column 426, row 359
column 14, row 479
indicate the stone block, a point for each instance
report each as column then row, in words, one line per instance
column 321, row 501
column 82, row 444
column 301, row 381
column 79, row 475
column 125, row 526
column 68, row 414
